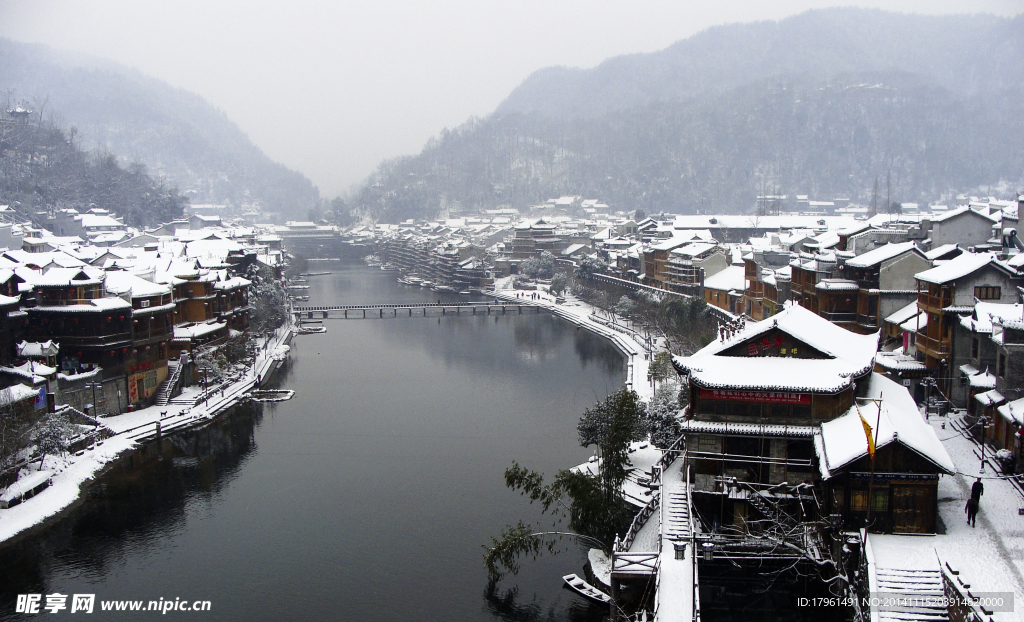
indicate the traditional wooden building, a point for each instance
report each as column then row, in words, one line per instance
column 71, row 307
column 757, row 398
column 896, row 489
column 152, row 331
column 761, row 425
column 950, row 290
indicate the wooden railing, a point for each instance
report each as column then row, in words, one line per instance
column 933, row 346
column 622, row 545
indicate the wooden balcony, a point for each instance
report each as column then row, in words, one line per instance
column 934, row 303
column 937, row 348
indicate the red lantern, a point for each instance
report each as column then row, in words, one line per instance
column 111, row 353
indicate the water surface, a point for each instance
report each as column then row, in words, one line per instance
column 367, row 496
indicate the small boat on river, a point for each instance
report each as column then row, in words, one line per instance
column 583, row 588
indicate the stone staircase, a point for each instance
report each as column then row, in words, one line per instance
column 677, row 513
column 167, row 387
column 916, row 586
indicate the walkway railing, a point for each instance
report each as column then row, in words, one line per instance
column 621, row 546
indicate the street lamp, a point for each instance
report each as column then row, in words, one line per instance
column 93, row 386
column 983, row 421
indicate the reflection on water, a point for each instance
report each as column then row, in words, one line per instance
column 368, row 495
column 140, row 500
column 507, row 604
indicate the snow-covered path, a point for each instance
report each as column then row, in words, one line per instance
column 989, row 556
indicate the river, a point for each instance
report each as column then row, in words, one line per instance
column 366, row 497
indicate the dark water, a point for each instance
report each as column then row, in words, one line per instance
column 366, row 497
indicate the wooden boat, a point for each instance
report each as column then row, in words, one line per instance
column 583, row 588
column 314, row 273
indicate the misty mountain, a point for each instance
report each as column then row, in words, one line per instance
column 822, row 103
column 177, row 135
column 966, row 54
column 42, row 169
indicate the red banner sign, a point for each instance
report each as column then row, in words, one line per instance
column 764, row 397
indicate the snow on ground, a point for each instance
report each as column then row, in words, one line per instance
column 65, row 487
column 75, row 470
column 989, row 556
column 582, row 314
column 601, row 566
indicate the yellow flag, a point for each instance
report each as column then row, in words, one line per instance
column 867, row 433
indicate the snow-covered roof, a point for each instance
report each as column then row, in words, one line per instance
column 880, row 254
column 894, row 419
column 898, row 361
column 990, row 398
column 849, row 355
column 956, row 268
column 1013, row 411
column 957, row 212
column 980, row 320
column 38, row 348
column 197, row 330
column 95, row 304
column 232, row 283
column 125, row 283
column 692, row 249
column 940, row 251
column 31, row 480
column 730, row 278
column 837, row 285
column 16, row 393
column 982, row 380
column 64, row 277
column 916, row 323
column 902, row 315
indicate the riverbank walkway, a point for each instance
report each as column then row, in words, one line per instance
column 634, row 345
column 194, row 408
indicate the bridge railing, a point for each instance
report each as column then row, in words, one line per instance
column 429, row 305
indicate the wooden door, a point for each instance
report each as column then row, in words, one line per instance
column 913, row 508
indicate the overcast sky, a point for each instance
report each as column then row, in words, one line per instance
column 332, row 88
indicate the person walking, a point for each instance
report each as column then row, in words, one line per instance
column 972, row 511
column 977, row 489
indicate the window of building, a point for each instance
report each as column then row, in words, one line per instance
column 974, row 348
column 859, row 500
column 710, row 444
column 987, row 292
column 1002, row 365
column 879, row 500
